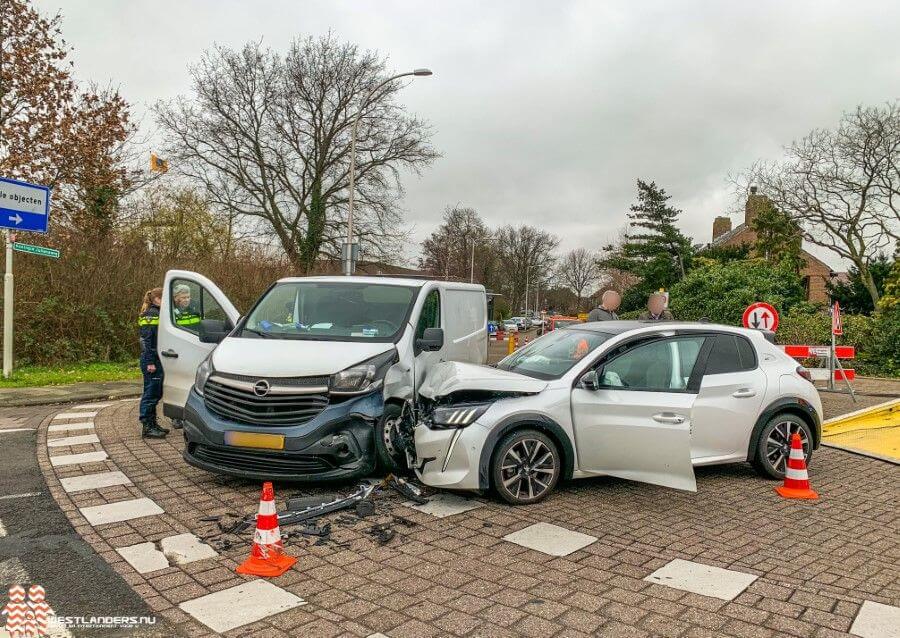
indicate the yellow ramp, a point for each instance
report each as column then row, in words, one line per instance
column 873, row 431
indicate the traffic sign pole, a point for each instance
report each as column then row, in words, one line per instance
column 8, row 309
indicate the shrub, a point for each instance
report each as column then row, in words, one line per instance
column 720, row 292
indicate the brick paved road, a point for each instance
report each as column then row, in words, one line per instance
column 816, row 562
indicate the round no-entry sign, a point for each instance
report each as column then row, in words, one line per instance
column 762, row 316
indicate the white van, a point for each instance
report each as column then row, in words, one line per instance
column 314, row 382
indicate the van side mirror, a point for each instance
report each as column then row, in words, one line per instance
column 431, row 340
column 213, row 330
column 590, row 380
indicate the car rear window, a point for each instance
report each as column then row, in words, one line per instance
column 730, row 353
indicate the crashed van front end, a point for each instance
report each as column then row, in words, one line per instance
column 309, row 429
column 462, row 404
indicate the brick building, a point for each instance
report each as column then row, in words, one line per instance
column 815, row 273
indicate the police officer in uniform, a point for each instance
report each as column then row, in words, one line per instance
column 185, row 315
column 151, row 367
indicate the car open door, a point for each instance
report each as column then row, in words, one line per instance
column 180, row 348
column 632, row 413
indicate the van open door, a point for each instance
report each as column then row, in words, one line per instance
column 188, row 299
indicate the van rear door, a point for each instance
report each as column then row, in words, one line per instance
column 188, row 298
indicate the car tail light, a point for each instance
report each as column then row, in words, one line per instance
column 803, row 372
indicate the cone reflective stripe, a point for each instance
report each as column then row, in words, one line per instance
column 796, row 478
column 267, row 557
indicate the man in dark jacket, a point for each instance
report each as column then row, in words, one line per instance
column 656, row 309
column 609, row 303
column 151, row 366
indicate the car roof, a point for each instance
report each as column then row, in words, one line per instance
column 620, row 327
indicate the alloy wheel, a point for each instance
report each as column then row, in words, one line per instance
column 778, row 444
column 527, row 469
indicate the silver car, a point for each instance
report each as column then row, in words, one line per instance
column 639, row 401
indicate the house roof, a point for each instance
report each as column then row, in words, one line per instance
column 731, row 234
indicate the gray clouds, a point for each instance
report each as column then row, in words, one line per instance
column 547, row 112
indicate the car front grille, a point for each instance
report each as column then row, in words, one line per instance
column 266, row 463
column 290, row 401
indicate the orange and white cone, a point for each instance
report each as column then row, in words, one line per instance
column 267, row 557
column 796, row 478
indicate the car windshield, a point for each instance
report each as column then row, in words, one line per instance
column 334, row 311
column 552, row 355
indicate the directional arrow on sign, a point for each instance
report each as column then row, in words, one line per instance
column 17, row 219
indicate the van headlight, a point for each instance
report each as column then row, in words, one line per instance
column 457, row 416
column 203, row 372
column 363, row 377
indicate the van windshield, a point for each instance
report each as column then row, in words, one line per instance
column 333, row 311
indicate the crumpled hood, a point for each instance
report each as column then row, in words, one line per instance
column 450, row 376
column 291, row 357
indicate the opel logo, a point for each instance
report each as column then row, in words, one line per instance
column 261, row 388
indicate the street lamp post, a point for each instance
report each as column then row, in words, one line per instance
column 472, row 257
column 349, row 257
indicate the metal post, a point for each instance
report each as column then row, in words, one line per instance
column 472, row 264
column 527, row 273
column 8, row 310
column 831, row 359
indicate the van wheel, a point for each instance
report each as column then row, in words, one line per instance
column 389, row 445
column 774, row 444
column 526, row 467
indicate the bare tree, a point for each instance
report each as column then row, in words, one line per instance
column 268, row 137
column 578, row 272
column 447, row 252
column 526, row 259
column 842, row 186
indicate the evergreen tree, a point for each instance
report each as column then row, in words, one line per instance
column 778, row 236
column 654, row 248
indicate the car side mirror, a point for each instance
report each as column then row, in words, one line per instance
column 213, row 330
column 590, row 380
column 431, row 340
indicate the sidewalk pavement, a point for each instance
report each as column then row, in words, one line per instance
column 15, row 397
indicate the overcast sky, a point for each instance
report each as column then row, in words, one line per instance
column 547, row 112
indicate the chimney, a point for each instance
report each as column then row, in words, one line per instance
column 721, row 225
column 755, row 204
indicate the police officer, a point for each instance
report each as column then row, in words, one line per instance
column 151, row 367
column 184, row 313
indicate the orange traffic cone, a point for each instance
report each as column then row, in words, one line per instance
column 796, row 478
column 267, row 557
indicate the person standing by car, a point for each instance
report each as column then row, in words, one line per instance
column 609, row 303
column 656, row 309
column 151, row 367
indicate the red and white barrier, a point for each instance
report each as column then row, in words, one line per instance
column 808, row 352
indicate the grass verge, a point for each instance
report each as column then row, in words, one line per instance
column 34, row 376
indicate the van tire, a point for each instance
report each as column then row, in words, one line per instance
column 391, row 456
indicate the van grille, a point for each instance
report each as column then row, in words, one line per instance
column 244, row 406
column 264, row 463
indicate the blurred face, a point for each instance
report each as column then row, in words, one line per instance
column 612, row 301
column 183, row 300
column 157, row 301
column 656, row 305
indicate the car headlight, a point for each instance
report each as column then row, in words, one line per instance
column 203, row 371
column 457, row 416
column 363, row 377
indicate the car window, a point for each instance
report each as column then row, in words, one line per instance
column 554, row 354
column 747, row 352
column 331, row 310
column 660, row 365
column 431, row 314
column 730, row 353
column 185, row 303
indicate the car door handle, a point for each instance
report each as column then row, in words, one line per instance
column 169, row 353
column 668, row 417
column 744, row 393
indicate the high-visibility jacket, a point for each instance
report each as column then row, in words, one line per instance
column 187, row 317
column 148, row 323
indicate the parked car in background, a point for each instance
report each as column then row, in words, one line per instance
column 315, row 380
column 621, row 398
column 510, row 325
column 523, row 323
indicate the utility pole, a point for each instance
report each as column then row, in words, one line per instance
column 8, row 308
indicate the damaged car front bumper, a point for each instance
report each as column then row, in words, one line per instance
column 448, row 458
column 338, row 443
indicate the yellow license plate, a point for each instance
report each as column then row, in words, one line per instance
column 252, row 439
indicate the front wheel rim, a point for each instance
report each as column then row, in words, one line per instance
column 778, row 444
column 527, row 469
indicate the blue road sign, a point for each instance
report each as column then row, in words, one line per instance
column 24, row 206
